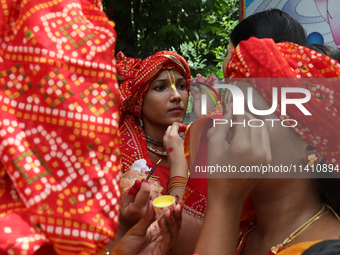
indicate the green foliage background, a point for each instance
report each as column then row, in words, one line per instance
column 198, row 30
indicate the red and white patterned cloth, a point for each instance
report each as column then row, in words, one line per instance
column 59, row 142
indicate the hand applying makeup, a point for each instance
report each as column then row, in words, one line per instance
column 174, row 146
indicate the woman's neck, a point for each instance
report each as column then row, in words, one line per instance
column 155, row 132
column 288, row 201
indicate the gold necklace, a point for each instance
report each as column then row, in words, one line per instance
column 334, row 213
column 244, row 236
column 157, row 152
column 153, row 141
column 302, row 228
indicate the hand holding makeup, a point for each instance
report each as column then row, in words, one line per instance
column 131, row 212
column 149, row 236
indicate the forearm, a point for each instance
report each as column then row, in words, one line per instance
column 120, row 233
column 178, row 177
column 188, row 235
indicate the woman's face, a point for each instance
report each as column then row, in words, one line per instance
column 166, row 100
column 230, row 47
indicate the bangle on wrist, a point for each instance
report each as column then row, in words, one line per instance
column 176, row 182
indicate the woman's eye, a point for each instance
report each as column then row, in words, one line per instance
column 181, row 86
column 159, row 88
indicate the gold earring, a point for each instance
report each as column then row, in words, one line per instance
column 312, row 158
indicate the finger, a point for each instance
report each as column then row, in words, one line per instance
column 174, row 128
column 266, row 143
column 193, row 91
column 153, row 191
column 165, row 232
column 171, row 223
column 176, row 199
column 167, row 132
column 178, row 214
column 172, row 133
column 143, row 195
column 242, row 130
column 182, row 128
column 201, row 79
column 220, row 129
column 150, row 212
column 127, row 199
column 260, row 138
column 166, row 137
column 255, row 128
column 177, row 127
column 211, row 79
column 144, row 223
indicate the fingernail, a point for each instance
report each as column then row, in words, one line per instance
column 164, row 133
column 181, row 203
column 199, row 76
column 145, row 180
column 134, row 189
column 182, row 128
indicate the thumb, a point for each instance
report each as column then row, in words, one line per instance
column 144, row 223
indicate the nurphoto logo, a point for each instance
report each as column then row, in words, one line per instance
column 239, row 103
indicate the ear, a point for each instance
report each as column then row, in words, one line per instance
column 313, row 157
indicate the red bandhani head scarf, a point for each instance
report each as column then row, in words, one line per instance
column 137, row 76
column 262, row 58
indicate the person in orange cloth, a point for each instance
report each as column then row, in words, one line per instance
column 291, row 214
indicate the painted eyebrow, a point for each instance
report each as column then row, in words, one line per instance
column 161, row 80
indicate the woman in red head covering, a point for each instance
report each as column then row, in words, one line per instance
column 154, row 94
column 155, row 97
column 291, row 214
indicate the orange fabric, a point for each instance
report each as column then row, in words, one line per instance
column 59, row 142
column 246, row 227
column 296, row 249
